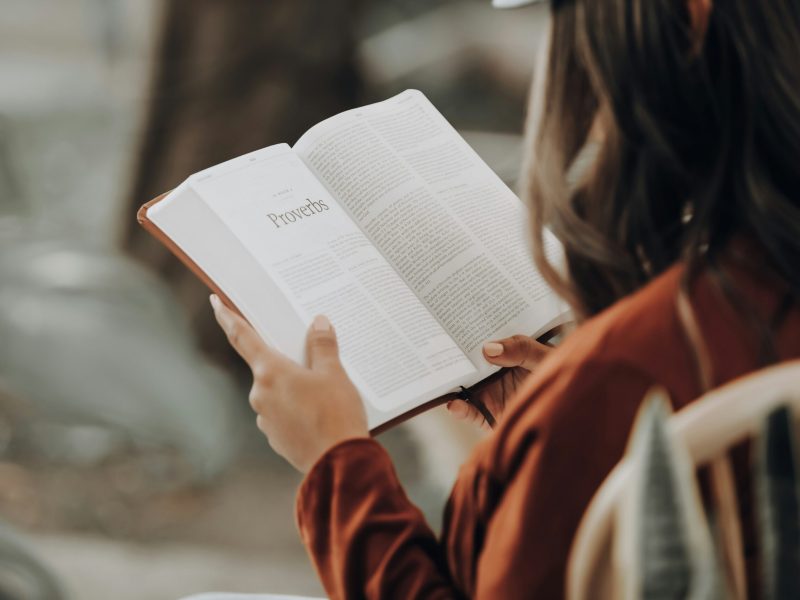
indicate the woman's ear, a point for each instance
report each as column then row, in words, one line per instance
column 699, row 13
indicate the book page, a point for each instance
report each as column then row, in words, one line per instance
column 439, row 214
column 393, row 349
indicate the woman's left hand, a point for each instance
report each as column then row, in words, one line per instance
column 303, row 410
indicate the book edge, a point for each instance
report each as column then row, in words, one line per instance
column 177, row 251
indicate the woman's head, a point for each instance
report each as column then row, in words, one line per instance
column 698, row 113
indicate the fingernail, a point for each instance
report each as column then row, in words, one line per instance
column 493, row 348
column 220, row 314
column 321, row 323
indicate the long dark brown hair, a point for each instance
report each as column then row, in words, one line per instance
column 700, row 141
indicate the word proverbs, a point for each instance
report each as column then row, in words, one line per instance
column 311, row 208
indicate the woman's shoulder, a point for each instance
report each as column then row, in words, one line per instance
column 629, row 330
column 588, row 390
column 640, row 334
column 594, row 382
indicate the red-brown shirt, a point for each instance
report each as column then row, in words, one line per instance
column 519, row 498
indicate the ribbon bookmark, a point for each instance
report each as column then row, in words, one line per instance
column 466, row 395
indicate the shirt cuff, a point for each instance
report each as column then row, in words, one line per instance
column 360, row 457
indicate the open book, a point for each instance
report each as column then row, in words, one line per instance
column 383, row 219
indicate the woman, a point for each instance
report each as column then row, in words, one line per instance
column 693, row 109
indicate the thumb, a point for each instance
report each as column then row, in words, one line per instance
column 516, row 351
column 322, row 350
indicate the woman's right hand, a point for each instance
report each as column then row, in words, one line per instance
column 519, row 352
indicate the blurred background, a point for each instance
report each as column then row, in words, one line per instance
column 130, row 466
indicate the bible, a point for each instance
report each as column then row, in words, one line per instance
column 383, row 219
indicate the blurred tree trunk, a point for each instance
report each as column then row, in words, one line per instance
column 231, row 77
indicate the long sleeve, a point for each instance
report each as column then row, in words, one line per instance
column 517, row 503
column 518, row 500
column 365, row 538
column 511, row 516
column 544, row 475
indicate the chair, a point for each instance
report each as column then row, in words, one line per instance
column 707, row 428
